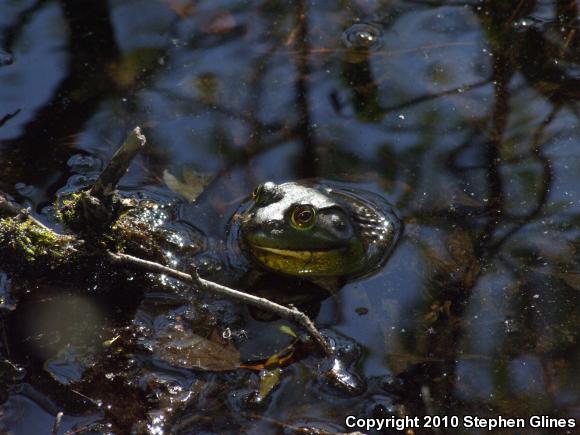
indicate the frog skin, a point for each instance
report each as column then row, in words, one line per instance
column 318, row 230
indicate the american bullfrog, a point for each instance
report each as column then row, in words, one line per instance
column 301, row 242
column 316, row 231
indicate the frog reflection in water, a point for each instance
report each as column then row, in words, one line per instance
column 321, row 233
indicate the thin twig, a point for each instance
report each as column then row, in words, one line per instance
column 57, row 422
column 292, row 314
column 109, row 178
column 9, row 209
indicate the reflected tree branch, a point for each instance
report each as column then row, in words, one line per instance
column 457, row 291
column 309, row 160
column 241, row 115
column 548, row 176
column 8, row 117
column 432, row 96
column 12, row 32
column 502, row 73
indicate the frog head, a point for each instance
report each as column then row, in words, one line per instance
column 317, row 231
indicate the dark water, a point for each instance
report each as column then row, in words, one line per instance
column 464, row 115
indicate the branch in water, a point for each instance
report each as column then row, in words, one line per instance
column 9, row 209
column 91, row 213
column 109, row 178
column 292, row 314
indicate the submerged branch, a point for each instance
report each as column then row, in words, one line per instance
column 292, row 314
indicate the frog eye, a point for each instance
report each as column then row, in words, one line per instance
column 303, row 217
column 257, row 193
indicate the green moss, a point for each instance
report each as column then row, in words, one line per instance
column 66, row 208
column 30, row 242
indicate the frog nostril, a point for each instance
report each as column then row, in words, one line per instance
column 338, row 223
column 269, row 193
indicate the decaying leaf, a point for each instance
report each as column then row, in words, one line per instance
column 268, row 381
column 280, row 358
column 189, row 350
column 192, row 185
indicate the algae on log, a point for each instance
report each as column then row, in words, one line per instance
column 26, row 245
column 30, row 249
column 96, row 220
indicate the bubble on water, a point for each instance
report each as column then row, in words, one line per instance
column 363, row 36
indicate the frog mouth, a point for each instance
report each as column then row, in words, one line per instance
column 327, row 262
column 298, row 255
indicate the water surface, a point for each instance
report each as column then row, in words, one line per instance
column 464, row 115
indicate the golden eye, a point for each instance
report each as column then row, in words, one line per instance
column 257, row 193
column 303, row 217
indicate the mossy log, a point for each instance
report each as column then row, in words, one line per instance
column 30, row 249
column 106, row 233
column 95, row 221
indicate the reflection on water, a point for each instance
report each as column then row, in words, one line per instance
column 464, row 115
